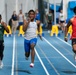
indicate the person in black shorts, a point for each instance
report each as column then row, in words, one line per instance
column 3, row 26
column 62, row 20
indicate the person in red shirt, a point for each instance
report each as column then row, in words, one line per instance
column 72, row 22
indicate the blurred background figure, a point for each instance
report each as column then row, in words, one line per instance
column 62, row 20
column 20, row 18
column 37, row 18
column 14, row 22
column 49, row 17
column 37, row 15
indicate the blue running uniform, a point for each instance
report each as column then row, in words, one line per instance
column 27, row 44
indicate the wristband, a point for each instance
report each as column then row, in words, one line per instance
column 65, row 36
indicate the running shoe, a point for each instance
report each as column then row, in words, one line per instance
column 1, row 64
column 75, row 57
column 32, row 65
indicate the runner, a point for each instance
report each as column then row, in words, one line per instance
column 62, row 20
column 20, row 18
column 3, row 27
column 30, row 35
column 72, row 22
column 49, row 17
column 14, row 22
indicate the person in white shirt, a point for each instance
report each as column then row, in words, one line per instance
column 62, row 20
column 20, row 18
column 30, row 36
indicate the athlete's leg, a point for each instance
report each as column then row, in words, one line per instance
column 27, row 48
column 32, row 52
column 32, row 45
column 1, row 50
column 74, row 47
column 15, row 27
column 63, row 26
column 1, row 53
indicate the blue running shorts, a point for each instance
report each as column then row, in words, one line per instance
column 27, row 44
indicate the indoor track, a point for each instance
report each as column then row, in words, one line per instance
column 54, row 56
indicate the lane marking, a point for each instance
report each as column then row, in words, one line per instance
column 63, row 41
column 49, row 61
column 59, row 52
column 63, row 46
column 16, row 60
column 47, row 73
column 13, row 57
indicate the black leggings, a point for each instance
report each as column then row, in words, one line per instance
column 1, row 49
column 49, row 25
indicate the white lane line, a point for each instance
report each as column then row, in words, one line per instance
column 16, row 60
column 63, row 41
column 60, row 53
column 49, row 61
column 63, row 46
column 47, row 73
column 13, row 57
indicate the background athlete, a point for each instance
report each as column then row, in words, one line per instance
column 73, row 37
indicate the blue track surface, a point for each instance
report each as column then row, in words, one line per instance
column 53, row 57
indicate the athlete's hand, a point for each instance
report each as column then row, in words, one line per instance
column 40, row 37
column 66, row 39
column 2, row 23
column 28, row 19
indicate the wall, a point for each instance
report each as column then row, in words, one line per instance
column 2, row 9
column 65, row 6
column 52, row 1
column 25, row 5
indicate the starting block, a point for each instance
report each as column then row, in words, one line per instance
column 70, row 30
column 10, row 32
column 54, row 30
column 21, row 32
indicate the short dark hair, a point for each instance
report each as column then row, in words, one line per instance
column 74, row 9
column 31, row 11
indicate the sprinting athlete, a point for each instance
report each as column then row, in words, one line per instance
column 3, row 27
column 30, row 35
column 72, row 22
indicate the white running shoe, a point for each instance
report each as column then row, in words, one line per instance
column 75, row 57
column 1, row 64
column 32, row 65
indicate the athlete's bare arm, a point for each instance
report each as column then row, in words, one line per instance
column 38, row 25
column 66, row 29
column 26, row 23
column 38, row 28
column 5, row 26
